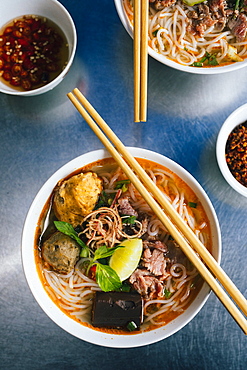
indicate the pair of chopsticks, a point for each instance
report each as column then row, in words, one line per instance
column 179, row 230
column 141, row 9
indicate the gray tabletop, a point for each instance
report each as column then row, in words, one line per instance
column 40, row 134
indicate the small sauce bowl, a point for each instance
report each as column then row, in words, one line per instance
column 236, row 118
column 52, row 10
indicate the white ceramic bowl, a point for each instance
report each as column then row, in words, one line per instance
column 61, row 319
column 161, row 58
column 236, row 118
column 56, row 12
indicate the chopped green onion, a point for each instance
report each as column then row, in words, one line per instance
column 237, row 5
column 194, row 282
column 104, row 200
column 131, row 326
column 192, row 204
column 209, row 58
column 206, row 56
column 84, row 253
column 197, row 64
column 213, row 61
column 123, row 185
column 125, row 287
column 167, row 293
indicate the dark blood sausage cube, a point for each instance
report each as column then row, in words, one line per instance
column 117, row 310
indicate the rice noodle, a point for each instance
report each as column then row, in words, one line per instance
column 168, row 35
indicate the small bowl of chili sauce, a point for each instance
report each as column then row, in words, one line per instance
column 231, row 150
column 37, row 46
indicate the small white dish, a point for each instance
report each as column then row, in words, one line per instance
column 56, row 12
column 52, row 310
column 236, row 118
column 170, row 63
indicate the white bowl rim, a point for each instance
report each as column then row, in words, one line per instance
column 52, row 84
column 61, row 319
column 170, row 63
column 237, row 117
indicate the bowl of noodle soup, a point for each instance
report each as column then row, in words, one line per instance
column 67, row 297
column 206, row 49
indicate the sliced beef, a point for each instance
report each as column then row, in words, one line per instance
column 199, row 19
column 238, row 26
column 161, row 4
column 175, row 253
column 154, row 261
column 155, row 244
column 144, row 218
column 218, row 13
column 125, row 208
column 146, row 284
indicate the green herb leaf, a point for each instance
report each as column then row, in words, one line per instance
column 67, row 229
column 104, row 252
column 129, row 220
column 100, row 251
column 107, row 278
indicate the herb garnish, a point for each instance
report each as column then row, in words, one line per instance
column 238, row 7
column 105, row 200
column 131, row 326
column 106, row 277
column 192, row 204
column 155, row 32
column 129, row 220
column 208, row 59
column 67, row 229
column 167, row 293
column 123, row 185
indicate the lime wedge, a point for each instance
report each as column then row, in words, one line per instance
column 192, row 2
column 125, row 260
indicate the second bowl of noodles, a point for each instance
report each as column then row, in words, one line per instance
column 100, row 263
column 194, row 36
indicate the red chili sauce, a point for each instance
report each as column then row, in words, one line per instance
column 33, row 52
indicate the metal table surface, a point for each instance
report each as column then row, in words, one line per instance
column 40, row 134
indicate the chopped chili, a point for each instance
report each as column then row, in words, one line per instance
column 236, row 153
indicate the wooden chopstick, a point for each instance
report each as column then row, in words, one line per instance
column 141, row 8
column 182, row 226
column 137, row 59
column 144, row 59
column 174, row 223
